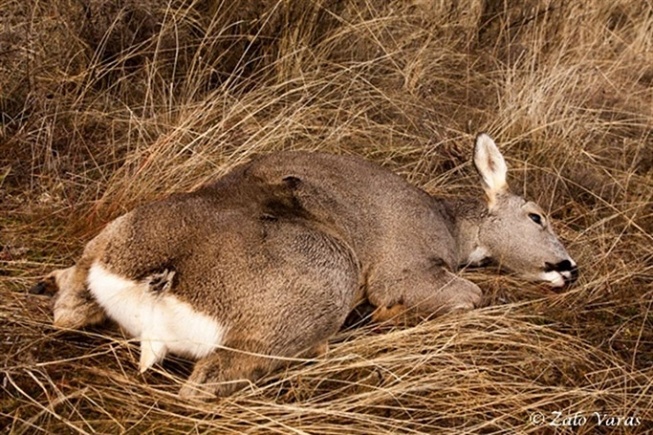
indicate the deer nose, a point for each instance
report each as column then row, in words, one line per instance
column 567, row 268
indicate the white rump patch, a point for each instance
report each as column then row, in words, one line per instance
column 162, row 322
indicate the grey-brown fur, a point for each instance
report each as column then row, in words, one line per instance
column 281, row 249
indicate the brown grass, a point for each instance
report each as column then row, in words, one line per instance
column 107, row 104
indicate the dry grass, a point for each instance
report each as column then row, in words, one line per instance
column 105, row 105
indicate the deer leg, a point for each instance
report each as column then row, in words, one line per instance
column 393, row 313
column 447, row 293
column 74, row 306
column 228, row 370
column 225, row 371
column 423, row 294
column 316, row 351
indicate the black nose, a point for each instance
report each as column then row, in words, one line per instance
column 564, row 266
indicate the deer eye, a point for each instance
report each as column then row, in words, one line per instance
column 535, row 218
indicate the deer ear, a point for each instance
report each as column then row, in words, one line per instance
column 491, row 166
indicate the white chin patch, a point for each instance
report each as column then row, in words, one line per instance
column 555, row 279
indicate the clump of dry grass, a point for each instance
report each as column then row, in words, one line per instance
column 105, row 105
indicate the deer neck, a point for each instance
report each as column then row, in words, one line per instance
column 466, row 216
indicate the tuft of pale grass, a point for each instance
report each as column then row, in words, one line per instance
column 107, row 105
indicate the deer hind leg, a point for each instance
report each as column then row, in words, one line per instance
column 422, row 294
column 317, row 351
column 233, row 368
column 226, row 371
column 74, row 306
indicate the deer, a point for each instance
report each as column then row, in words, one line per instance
column 263, row 265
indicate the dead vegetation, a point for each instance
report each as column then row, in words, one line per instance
column 107, row 104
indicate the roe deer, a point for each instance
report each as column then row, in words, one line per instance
column 267, row 262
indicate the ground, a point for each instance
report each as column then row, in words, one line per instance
column 105, row 105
